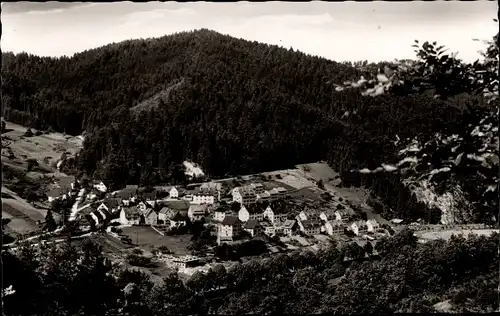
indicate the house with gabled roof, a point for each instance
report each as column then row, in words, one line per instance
column 328, row 215
column 276, row 212
column 310, row 227
column 220, row 213
column 244, row 195
column 334, row 227
column 178, row 220
column 228, row 229
column 150, row 217
column 252, row 227
column 197, row 212
column 268, row 228
column 252, row 211
column 342, row 215
column 110, row 205
column 285, row 227
column 144, row 205
column 372, row 225
column 358, row 228
column 99, row 186
column 130, row 215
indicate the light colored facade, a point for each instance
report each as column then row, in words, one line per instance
column 196, row 212
column 173, row 193
column 334, row 228
column 202, row 198
column 244, row 196
column 228, row 229
column 257, row 188
column 359, row 228
column 100, row 186
column 219, row 215
column 372, row 225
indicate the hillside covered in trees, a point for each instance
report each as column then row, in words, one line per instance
column 234, row 107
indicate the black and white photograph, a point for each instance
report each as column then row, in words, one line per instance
column 236, row 158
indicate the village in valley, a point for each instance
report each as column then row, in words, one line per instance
column 190, row 227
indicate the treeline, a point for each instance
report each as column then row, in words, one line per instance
column 405, row 276
column 231, row 105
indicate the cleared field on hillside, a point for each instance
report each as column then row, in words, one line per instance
column 292, row 178
column 24, row 217
column 448, row 233
column 149, row 239
column 46, row 149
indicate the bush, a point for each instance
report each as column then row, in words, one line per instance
column 28, row 133
column 138, row 261
column 137, row 251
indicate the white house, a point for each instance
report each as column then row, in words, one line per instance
column 263, row 197
column 310, row 227
column 372, row 225
column 269, row 229
column 275, row 214
column 334, row 228
column 244, row 196
column 130, row 216
column 202, row 198
column 103, row 206
column 328, row 215
column 358, row 228
column 228, row 229
column 173, row 193
column 219, row 214
column 287, row 227
column 257, row 188
column 342, row 215
column 100, row 186
column 251, row 212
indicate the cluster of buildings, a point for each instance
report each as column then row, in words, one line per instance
column 250, row 211
column 277, row 219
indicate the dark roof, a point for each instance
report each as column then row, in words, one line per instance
column 178, row 217
column 198, row 208
column 251, row 224
column 310, row 224
column 99, row 216
column 256, row 208
column 128, row 191
column 131, row 211
column 55, row 192
column 279, row 207
column 66, row 182
column 150, row 195
column 178, row 205
column 230, row 220
column 149, row 212
column 113, row 202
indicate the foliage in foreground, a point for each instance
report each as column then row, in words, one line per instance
column 407, row 277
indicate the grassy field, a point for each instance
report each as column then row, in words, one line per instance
column 147, row 238
column 446, row 234
column 46, row 149
column 24, row 217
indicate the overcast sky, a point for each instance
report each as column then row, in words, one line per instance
column 340, row 31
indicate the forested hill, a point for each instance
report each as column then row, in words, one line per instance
column 231, row 105
column 69, row 93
